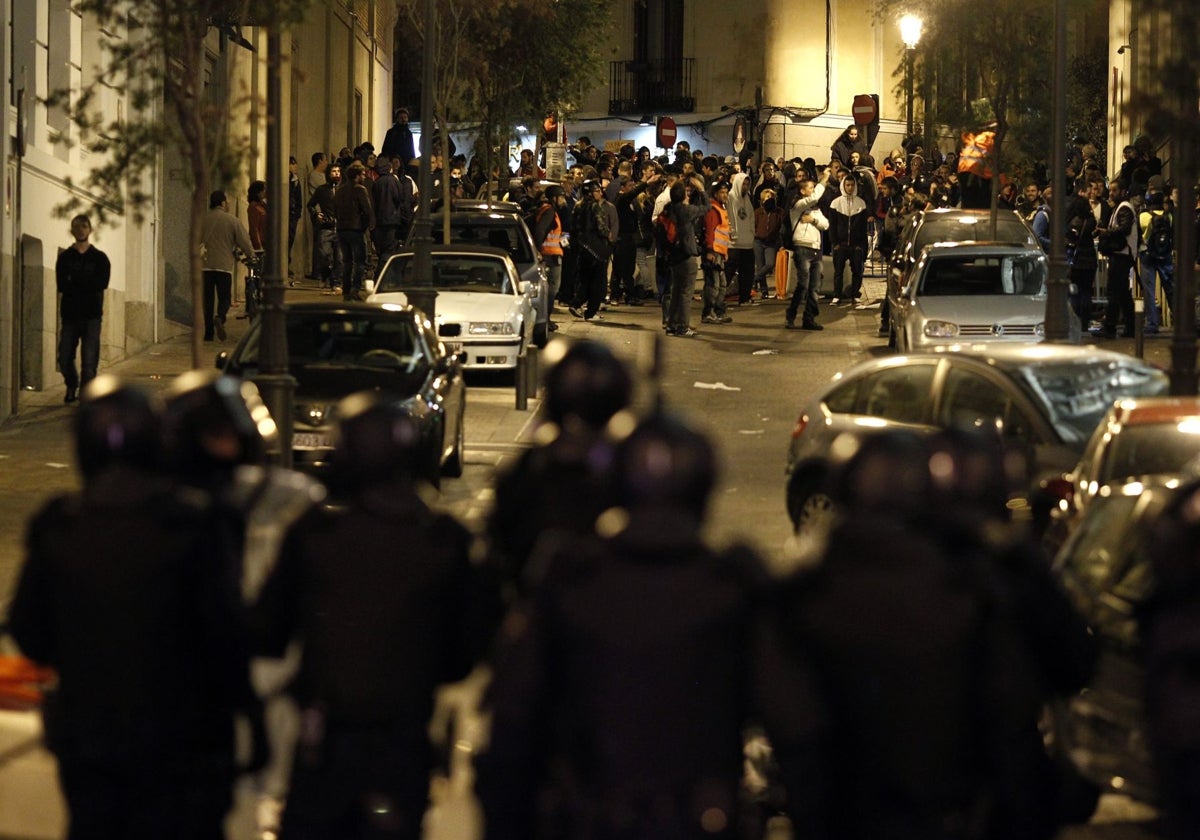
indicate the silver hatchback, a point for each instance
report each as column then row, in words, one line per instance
column 970, row 292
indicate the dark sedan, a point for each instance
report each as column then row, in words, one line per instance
column 337, row 349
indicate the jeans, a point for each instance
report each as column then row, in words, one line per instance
column 76, row 331
column 679, row 293
column 553, row 279
column 646, row 270
column 1120, row 299
column 217, row 285
column 808, row 280
column 764, row 265
column 593, row 276
column 624, row 260
column 1150, row 270
column 714, row 285
column 386, row 244
column 328, row 265
column 354, row 261
column 856, row 254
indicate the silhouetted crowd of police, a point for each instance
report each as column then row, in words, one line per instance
column 899, row 680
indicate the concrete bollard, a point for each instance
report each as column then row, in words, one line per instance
column 521, row 381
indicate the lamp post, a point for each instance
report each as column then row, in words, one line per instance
column 910, row 33
column 424, row 296
column 1058, row 318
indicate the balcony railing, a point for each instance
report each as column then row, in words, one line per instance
column 651, row 87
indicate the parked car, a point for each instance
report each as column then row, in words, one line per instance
column 484, row 309
column 1108, row 577
column 949, row 224
column 337, row 349
column 1136, row 439
column 1042, row 400
column 970, row 292
column 507, row 231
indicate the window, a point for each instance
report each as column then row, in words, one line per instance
column 899, row 394
column 971, row 401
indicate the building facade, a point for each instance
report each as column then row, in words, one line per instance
column 337, row 85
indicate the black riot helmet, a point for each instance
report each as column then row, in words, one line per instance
column 664, row 463
column 589, row 383
column 116, row 425
column 888, row 474
column 378, row 441
column 213, row 423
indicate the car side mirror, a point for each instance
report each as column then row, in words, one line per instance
column 222, row 359
column 523, row 287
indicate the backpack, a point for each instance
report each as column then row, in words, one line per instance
column 666, row 231
column 1160, row 236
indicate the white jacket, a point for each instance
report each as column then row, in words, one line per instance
column 741, row 213
column 808, row 234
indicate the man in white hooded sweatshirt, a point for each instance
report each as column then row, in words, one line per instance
column 741, row 236
column 848, row 236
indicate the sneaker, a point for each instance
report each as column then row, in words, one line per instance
column 71, row 396
column 811, row 325
column 551, row 326
column 753, row 302
column 725, row 319
column 219, row 326
column 596, row 317
column 789, row 324
column 834, row 301
column 575, row 311
column 687, row 332
column 633, row 301
column 712, row 319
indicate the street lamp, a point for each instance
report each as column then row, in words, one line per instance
column 910, row 33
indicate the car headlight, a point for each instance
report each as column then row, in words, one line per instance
column 490, row 328
column 940, row 329
column 1040, row 330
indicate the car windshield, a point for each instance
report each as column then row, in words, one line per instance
column 495, row 230
column 324, row 345
column 451, row 273
column 1077, row 394
column 956, row 227
column 966, row 274
column 1153, row 449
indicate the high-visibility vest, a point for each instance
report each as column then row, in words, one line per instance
column 721, row 238
column 552, row 246
column 976, row 153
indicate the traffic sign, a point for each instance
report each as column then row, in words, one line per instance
column 865, row 110
column 666, row 133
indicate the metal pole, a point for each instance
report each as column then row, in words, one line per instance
column 277, row 385
column 908, row 88
column 1183, row 342
column 1058, row 316
column 424, row 296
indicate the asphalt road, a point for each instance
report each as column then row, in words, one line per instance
column 742, row 382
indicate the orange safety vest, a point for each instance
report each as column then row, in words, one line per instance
column 976, row 153
column 721, row 238
column 553, row 244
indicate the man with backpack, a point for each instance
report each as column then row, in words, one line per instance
column 1155, row 257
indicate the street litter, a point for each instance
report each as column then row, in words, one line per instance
column 765, row 352
column 751, row 431
column 715, row 386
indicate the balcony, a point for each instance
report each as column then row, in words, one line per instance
column 651, row 87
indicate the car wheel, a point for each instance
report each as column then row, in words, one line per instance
column 811, row 507
column 541, row 334
column 454, row 464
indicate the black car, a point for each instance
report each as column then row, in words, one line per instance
column 1108, row 576
column 337, row 349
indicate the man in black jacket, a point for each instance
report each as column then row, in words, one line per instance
column 82, row 274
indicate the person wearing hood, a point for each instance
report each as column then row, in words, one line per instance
column 848, row 235
column 388, row 200
column 849, row 141
column 740, row 209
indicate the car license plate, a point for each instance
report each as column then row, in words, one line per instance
column 453, row 347
column 311, row 440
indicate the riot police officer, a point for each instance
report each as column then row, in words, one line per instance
column 122, row 593
column 386, row 604
column 623, row 684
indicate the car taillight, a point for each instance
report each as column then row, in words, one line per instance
column 801, row 425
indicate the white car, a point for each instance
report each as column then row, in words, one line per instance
column 483, row 309
column 971, row 292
